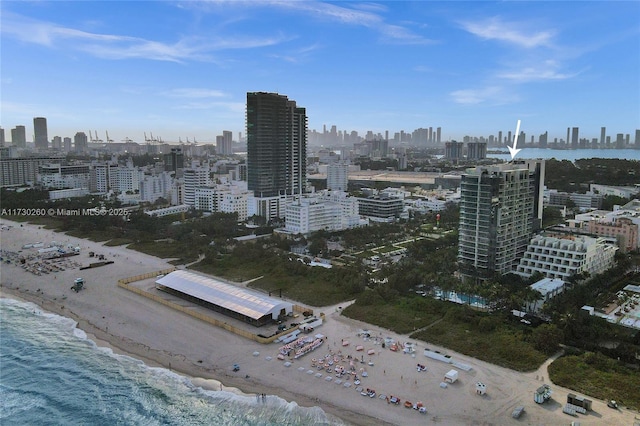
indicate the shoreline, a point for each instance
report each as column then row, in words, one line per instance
column 159, row 336
column 208, row 379
column 203, row 378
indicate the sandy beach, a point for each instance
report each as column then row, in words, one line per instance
column 160, row 336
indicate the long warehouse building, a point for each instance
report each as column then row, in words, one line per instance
column 236, row 302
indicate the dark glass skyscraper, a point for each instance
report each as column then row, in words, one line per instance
column 40, row 137
column 276, row 145
column 500, row 208
column 174, row 161
column 575, row 138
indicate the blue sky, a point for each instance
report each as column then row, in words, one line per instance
column 182, row 69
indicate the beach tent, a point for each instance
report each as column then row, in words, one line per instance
column 237, row 302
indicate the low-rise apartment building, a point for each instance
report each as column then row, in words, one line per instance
column 563, row 257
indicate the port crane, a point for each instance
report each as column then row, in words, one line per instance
column 151, row 139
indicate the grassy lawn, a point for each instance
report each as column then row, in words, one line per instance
column 118, row 242
column 313, row 293
column 503, row 346
column 405, row 244
column 96, row 236
column 57, row 225
column 405, row 316
column 310, row 285
column 167, row 250
column 598, row 376
column 456, row 327
column 226, row 270
column 387, row 249
column 45, row 221
column 317, row 289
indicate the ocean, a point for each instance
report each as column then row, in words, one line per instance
column 52, row 374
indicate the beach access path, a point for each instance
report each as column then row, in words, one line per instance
column 134, row 325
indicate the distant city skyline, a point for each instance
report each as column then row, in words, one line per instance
column 470, row 68
column 327, row 136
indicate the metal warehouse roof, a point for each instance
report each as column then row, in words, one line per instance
column 237, row 299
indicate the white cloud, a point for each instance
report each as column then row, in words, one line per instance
column 373, row 7
column 362, row 14
column 297, row 55
column 548, row 70
column 535, row 74
column 495, row 95
column 510, row 32
column 145, row 49
column 331, row 11
column 368, row 15
column 123, row 47
column 401, row 35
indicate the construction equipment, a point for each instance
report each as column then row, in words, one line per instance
column 542, row 394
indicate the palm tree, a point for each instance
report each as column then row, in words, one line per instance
column 446, row 284
column 530, row 296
